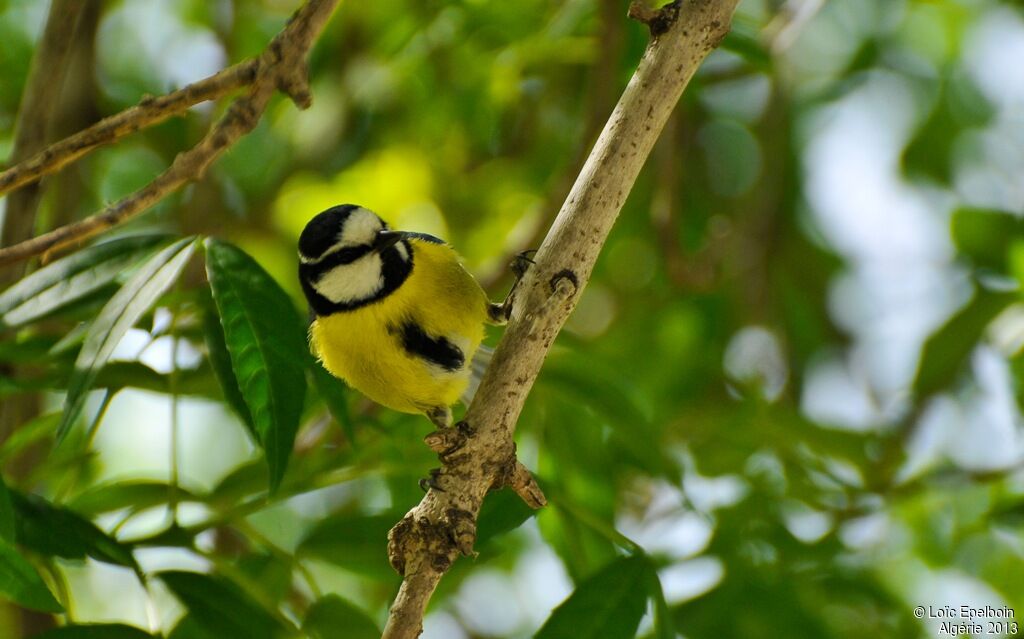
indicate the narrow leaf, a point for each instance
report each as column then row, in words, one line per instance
column 21, row 584
column 136, row 495
column 607, row 605
column 503, row 511
column 72, row 278
column 352, row 541
column 56, row 531
column 221, row 607
column 96, row 631
column 332, row 617
column 125, row 308
column 267, row 345
column 947, row 350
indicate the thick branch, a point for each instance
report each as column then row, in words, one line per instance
column 281, row 66
column 443, row 526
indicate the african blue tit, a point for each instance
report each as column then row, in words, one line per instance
column 397, row 316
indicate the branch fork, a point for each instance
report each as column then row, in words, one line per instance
column 281, row 66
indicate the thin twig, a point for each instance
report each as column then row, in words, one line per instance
column 443, row 526
column 281, row 66
column 148, row 112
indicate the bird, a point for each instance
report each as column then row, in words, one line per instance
column 395, row 314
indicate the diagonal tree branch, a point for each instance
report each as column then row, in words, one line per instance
column 443, row 525
column 145, row 114
column 281, row 66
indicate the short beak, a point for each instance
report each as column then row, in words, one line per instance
column 386, row 239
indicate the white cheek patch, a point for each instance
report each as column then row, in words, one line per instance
column 361, row 227
column 360, row 280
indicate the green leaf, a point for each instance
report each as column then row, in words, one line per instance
column 607, row 605
column 189, row 628
column 267, row 345
column 29, row 434
column 664, row 627
column 503, row 511
column 984, row 236
column 72, row 278
column 744, row 39
column 221, row 607
column 119, row 314
column 96, row 631
column 331, row 617
column 56, row 531
column 352, row 541
column 6, row 514
column 220, row 361
column 137, row 495
column 21, row 584
column 947, row 350
column 333, row 391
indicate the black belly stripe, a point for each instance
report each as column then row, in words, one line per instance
column 436, row 350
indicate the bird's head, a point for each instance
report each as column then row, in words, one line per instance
column 349, row 258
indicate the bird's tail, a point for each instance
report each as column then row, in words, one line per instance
column 477, row 366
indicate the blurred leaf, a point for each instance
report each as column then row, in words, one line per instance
column 95, row 631
column 220, row 607
column 333, row 393
column 267, row 346
column 331, row 617
column 31, row 348
column 246, row 479
column 119, row 315
column 29, row 434
column 503, row 511
column 744, row 39
column 72, row 278
column 220, row 361
column 352, row 541
column 273, row 573
column 21, row 584
column 6, row 514
column 189, row 628
column 664, row 627
column 137, row 495
column 946, row 351
column 56, row 531
column 607, row 605
column 586, row 382
column 937, row 143
column 984, row 236
column 186, row 381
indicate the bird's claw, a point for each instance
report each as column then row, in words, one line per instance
column 426, row 483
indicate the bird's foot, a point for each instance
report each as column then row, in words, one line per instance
column 499, row 314
column 432, row 481
column 448, row 441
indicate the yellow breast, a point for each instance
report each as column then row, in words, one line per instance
column 364, row 346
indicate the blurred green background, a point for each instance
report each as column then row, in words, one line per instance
column 792, row 386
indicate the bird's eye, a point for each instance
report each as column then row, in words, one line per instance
column 350, row 254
